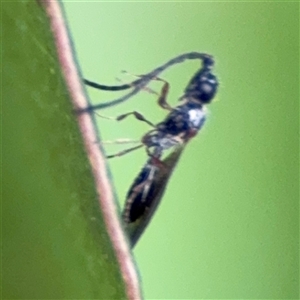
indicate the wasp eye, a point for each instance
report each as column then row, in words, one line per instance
column 208, row 89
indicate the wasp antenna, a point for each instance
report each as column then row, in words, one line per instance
column 140, row 83
column 112, row 87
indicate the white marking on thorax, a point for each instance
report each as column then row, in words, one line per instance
column 197, row 116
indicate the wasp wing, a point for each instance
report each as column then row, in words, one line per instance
column 145, row 195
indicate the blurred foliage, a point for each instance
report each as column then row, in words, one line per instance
column 54, row 242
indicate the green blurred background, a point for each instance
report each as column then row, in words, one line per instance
column 228, row 224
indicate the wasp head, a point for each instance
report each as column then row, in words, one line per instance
column 203, row 85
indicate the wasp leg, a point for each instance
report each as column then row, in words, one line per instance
column 136, row 114
column 162, row 100
column 121, row 141
column 145, row 88
column 125, row 151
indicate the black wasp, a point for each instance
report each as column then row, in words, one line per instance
column 181, row 124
